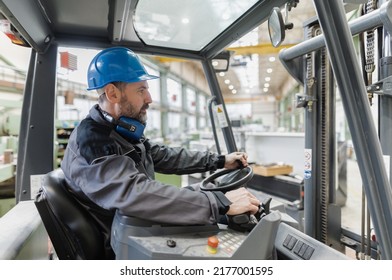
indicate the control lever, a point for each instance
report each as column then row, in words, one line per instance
column 246, row 221
column 264, row 209
column 242, row 222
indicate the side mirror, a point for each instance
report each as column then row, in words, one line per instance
column 276, row 27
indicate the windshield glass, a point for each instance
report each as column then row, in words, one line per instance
column 172, row 24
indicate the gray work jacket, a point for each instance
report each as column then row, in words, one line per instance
column 100, row 170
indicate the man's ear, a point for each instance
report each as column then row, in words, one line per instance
column 113, row 94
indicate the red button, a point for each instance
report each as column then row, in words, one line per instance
column 213, row 241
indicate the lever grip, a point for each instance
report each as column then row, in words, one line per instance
column 246, row 221
column 242, row 222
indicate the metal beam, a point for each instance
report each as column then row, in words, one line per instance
column 263, row 48
column 338, row 40
column 385, row 101
column 36, row 137
column 216, row 92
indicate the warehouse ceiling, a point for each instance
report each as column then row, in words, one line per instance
column 256, row 72
column 255, row 69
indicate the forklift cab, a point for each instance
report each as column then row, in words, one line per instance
column 269, row 234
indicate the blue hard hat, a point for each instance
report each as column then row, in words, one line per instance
column 117, row 64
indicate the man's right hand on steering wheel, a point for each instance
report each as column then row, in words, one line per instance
column 236, row 160
column 242, row 202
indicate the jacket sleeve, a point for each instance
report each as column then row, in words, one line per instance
column 182, row 161
column 114, row 183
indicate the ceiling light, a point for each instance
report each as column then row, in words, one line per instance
column 222, row 74
column 266, row 85
column 215, row 63
column 185, row 20
column 231, row 86
column 234, row 91
column 265, row 89
column 227, row 81
column 267, row 79
column 269, row 70
column 272, row 58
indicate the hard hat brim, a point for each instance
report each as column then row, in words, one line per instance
column 144, row 77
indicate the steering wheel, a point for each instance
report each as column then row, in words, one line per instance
column 234, row 179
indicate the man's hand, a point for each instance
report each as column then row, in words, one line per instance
column 242, row 201
column 236, row 160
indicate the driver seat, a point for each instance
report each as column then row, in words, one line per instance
column 71, row 229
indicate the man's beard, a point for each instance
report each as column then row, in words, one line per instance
column 128, row 110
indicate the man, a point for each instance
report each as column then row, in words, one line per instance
column 110, row 165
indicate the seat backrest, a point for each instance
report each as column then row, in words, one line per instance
column 71, row 229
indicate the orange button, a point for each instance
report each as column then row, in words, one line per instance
column 213, row 241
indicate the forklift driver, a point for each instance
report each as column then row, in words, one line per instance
column 109, row 164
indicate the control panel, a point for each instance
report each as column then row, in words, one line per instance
column 298, row 247
column 293, row 244
column 157, row 242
